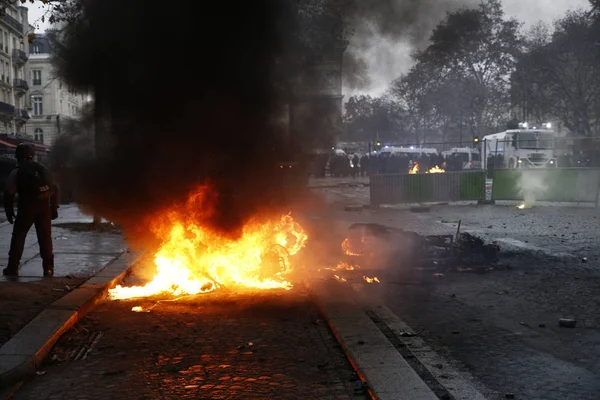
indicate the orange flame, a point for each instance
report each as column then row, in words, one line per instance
column 371, row 280
column 193, row 259
column 347, row 247
column 414, row 169
column 436, row 170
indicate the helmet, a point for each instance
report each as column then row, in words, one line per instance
column 24, row 151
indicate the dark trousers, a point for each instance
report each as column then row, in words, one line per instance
column 38, row 214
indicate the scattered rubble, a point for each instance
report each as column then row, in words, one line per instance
column 567, row 322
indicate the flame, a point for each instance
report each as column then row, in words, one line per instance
column 340, row 278
column 436, row 170
column 414, row 169
column 371, row 280
column 346, row 267
column 193, row 259
column 342, row 266
column 347, row 247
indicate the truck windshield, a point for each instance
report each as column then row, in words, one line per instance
column 535, row 140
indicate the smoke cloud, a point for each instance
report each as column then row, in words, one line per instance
column 194, row 96
column 384, row 34
column 532, row 185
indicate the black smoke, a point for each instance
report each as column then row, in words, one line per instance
column 187, row 93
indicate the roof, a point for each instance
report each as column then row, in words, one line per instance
column 40, row 45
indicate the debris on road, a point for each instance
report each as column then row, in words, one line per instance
column 567, row 322
column 584, row 259
column 374, row 242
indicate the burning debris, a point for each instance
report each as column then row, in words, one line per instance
column 371, row 280
column 373, row 242
column 194, row 259
column 434, row 170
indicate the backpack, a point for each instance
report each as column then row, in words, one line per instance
column 33, row 181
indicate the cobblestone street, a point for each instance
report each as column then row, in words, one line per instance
column 501, row 326
column 269, row 345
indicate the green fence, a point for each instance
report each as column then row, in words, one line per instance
column 552, row 184
column 422, row 188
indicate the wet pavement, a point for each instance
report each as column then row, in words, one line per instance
column 75, row 253
column 501, row 326
column 221, row 345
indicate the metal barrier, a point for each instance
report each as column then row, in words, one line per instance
column 417, row 188
column 554, row 184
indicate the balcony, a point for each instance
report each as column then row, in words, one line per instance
column 19, row 57
column 13, row 23
column 21, row 116
column 20, row 85
column 7, row 111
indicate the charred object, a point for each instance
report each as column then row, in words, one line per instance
column 376, row 243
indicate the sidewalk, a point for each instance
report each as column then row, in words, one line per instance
column 78, row 256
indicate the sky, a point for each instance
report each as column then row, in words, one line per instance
column 389, row 60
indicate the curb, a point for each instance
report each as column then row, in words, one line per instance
column 25, row 352
column 339, row 339
column 377, row 360
column 388, row 375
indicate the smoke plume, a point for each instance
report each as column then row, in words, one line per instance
column 532, row 185
column 384, row 34
column 188, row 94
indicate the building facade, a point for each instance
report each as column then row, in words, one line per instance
column 51, row 102
column 14, row 48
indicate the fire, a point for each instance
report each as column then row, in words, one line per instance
column 194, row 259
column 371, row 280
column 341, row 279
column 346, row 267
column 436, row 170
column 347, row 248
column 342, row 266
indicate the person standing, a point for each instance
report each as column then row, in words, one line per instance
column 37, row 205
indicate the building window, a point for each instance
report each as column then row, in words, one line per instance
column 15, row 43
column 6, row 42
column 39, row 135
column 37, row 105
column 37, row 76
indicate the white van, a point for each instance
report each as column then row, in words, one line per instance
column 471, row 159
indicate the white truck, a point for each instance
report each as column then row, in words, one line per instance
column 520, row 148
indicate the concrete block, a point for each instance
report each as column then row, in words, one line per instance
column 394, row 383
column 98, row 281
column 14, row 367
column 375, row 357
column 37, row 338
column 113, row 270
column 80, row 299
